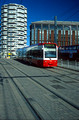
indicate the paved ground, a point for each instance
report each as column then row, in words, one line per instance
column 28, row 92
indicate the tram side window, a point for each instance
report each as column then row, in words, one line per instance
column 37, row 53
column 74, row 47
column 28, row 54
column 78, row 47
column 40, row 53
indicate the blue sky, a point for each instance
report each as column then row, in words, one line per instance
column 65, row 10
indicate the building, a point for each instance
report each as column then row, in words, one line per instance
column 44, row 31
column 13, row 28
column 0, row 39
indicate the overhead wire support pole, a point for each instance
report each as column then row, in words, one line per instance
column 55, row 28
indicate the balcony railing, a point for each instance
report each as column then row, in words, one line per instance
column 25, row 20
column 4, row 46
column 20, row 15
column 12, row 12
column 4, row 24
column 25, row 41
column 12, row 25
column 4, row 10
column 20, row 20
column 11, row 16
column 20, row 11
column 4, row 43
column 20, row 28
column 4, row 33
column 25, row 16
column 11, row 44
column 11, row 34
column 3, row 37
column 20, row 24
column 25, row 32
column 4, row 19
column 11, row 21
column 3, row 28
column 26, row 11
column 4, row 15
column 11, row 39
column 11, row 7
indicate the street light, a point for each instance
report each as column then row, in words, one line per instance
column 55, row 28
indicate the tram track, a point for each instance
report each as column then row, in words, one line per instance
column 23, row 96
column 68, row 71
column 48, row 89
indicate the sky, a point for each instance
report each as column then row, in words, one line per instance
column 37, row 10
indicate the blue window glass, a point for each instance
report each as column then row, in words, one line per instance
column 45, row 26
column 51, row 27
column 38, row 26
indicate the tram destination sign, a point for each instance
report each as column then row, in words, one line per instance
column 49, row 45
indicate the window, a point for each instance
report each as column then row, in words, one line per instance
column 50, row 54
column 32, row 34
column 45, row 27
column 42, row 34
column 51, row 27
column 35, row 34
column 37, row 53
column 38, row 26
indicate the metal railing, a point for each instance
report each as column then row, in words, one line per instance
column 69, row 64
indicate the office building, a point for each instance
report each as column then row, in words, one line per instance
column 13, row 28
column 0, row 39
column 67, row 32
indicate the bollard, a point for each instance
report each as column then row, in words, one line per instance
column 68, row 63
column 61, row 62
column 75, row 64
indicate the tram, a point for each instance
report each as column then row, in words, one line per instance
column 42, row 54
column 69, row 52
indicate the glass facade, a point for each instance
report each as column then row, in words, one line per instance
column 44, row 31
column 0, row 41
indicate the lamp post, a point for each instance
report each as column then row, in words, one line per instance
column 55, row 28
column 70, row 36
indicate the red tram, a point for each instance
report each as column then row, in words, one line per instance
column 42, row 54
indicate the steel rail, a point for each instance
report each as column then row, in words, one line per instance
column 34, row 112
column 45, row 87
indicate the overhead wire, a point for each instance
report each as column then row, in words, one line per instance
column 72, row 15
column 68, row 11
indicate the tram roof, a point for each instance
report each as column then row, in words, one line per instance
column 42, row 44
column 37, row 45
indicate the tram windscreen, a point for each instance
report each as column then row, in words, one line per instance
column 50, row 50
column 50, row 54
